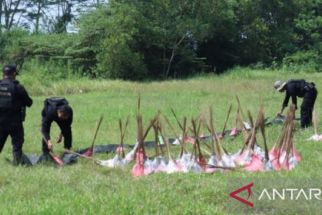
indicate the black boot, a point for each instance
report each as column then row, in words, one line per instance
column 17, row 159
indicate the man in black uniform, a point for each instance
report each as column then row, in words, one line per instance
column 13, row 101
column 56, row 110
column 302, row 89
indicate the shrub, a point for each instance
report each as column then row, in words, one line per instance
column 307, row 61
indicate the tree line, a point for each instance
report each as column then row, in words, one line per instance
column 160, row 39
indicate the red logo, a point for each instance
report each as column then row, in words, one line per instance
column 247, row 187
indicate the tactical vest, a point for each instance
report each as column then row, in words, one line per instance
column 309, row 86
column 7, row 89
column 300, row 86
column 55, row 102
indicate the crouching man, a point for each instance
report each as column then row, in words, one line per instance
column 301, row 89
column 56, row 110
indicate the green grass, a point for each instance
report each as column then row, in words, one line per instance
column 86, row 188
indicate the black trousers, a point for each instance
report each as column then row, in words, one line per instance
column 307, row 107
column 16, row 133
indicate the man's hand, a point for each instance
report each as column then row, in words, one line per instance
column 50, row 145
column 59, row 138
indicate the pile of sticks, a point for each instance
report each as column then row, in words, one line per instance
column 252, row 157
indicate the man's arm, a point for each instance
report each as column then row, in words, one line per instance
column 25, row 98
column 294, row 101
column 45, row 125
column 70, row 120
column 66, row 131
column 59, row 138
column 285, row 102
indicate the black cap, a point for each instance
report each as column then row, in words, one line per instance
column 9, row 69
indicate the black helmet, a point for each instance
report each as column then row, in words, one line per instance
column 9, row 69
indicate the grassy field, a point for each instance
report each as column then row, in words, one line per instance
column 85, row 188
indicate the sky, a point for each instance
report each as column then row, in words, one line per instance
column 51, row 13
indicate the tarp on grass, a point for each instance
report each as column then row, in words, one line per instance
column 278, row 120
column 32, row 159
column 69, row 158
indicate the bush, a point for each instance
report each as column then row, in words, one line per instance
column 120, row 62
column 307, row 61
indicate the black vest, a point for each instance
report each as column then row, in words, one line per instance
column 7, row 93
column 55, row 102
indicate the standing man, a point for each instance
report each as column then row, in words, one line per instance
column 56, row 110
column 302, row 89
column 13, row 101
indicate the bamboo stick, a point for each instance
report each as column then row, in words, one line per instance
column 227, row 117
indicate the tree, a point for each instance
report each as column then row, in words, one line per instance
column 158, row 36
column 308, row 25
column 172, row 30
column 9, row 10
column 307, row 30
column 36, row 10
